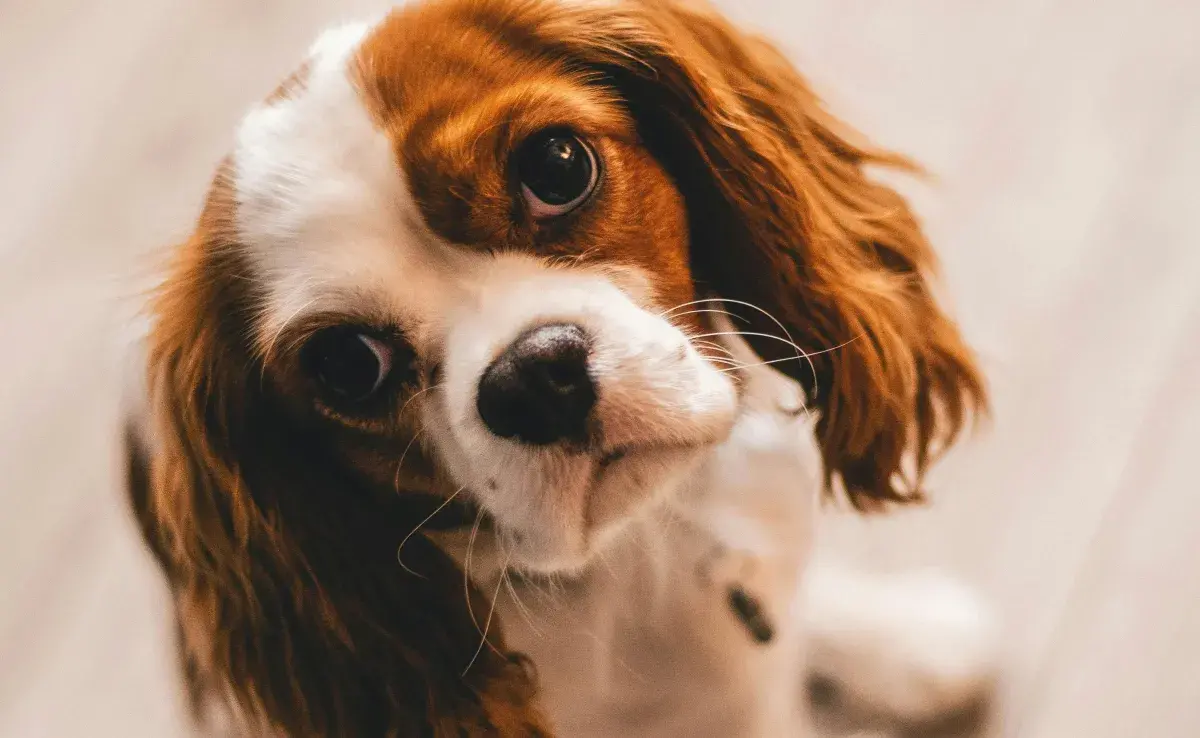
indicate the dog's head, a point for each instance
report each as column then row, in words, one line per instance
column 471, row 253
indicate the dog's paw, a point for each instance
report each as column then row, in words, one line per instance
column 916, row 647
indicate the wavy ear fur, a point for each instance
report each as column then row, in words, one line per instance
column 290, row 600
column 784, row 216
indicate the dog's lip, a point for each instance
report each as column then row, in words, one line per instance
column 608, row 445
column 606, row 458
column 608, row 455
column 463, row 511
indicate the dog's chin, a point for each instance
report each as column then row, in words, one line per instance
column 611, row 490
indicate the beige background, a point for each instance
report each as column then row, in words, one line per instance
column 1066, row 138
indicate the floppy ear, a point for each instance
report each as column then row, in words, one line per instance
column 784, row 217
column 284, row 572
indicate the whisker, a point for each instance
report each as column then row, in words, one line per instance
column 405, row 455
column 771, row 336
column 467, row 568
column 713, row 345
column 542, row 590
column 724, row 361
column 800, row 353
column 525, row 612
column 728, row 360
column 413, row 440
column 487, row 626
column 413, row 532
column 555, row 588
column 689, row 304
column 709, row 310
column 728, row 367
column 806, row 355
column 710, row 344
column 418, row 393
column 812, row 367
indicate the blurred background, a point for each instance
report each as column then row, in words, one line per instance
column 1064, row 136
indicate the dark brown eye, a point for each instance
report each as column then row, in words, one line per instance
column 348, row 363
column 557, row 172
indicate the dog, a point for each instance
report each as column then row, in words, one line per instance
column 498, row 386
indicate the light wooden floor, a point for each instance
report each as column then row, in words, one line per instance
column 1066, row 138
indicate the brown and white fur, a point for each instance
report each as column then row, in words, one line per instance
column 760, row 331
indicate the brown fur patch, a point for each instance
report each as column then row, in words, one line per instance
column 485, row 89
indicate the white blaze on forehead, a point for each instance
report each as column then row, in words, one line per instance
column 323, row 209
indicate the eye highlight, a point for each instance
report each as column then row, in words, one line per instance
column 557, row 172
column 348, row 363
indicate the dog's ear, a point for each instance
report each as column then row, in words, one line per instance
column 784, row 217
column 291, row 601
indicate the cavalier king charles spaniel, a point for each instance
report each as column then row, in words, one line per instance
column 496, row 389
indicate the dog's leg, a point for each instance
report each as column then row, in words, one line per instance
column 916, row 647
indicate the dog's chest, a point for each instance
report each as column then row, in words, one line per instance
column 646, row 643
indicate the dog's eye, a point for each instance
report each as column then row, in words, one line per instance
column 557, row 171
column 350, row 364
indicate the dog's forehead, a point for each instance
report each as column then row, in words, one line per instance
column 340, row 178
column 324, row 213
column 324, row 206
column 448, row 52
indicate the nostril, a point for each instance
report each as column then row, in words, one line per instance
column 565, row 376
column 539, row 390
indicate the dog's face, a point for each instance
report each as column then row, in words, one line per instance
column 469, row 261
column 468, row 255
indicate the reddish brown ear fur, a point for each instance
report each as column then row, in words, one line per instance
column 783, row 216
column 283, row 569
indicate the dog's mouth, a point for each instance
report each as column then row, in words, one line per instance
column 607, row 490
column 465, row 511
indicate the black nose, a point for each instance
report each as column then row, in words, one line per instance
column 538, row 391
